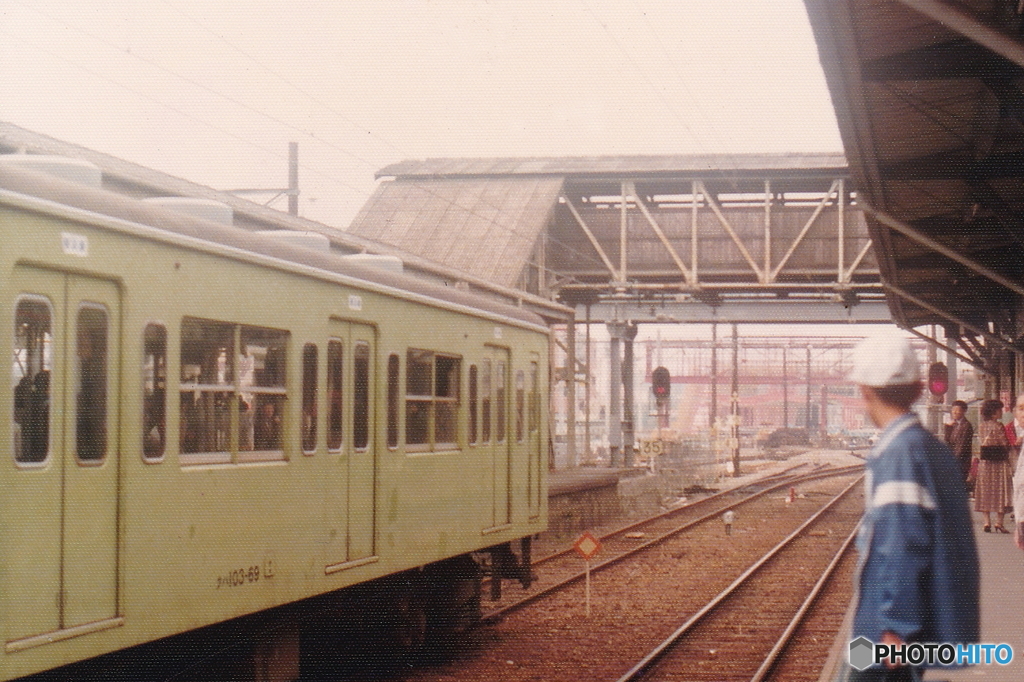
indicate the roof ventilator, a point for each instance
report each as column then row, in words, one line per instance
column 63, row 167
column 205, row 209
column 302, row 239
column 378, row 261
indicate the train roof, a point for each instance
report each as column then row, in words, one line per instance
column 54, row 194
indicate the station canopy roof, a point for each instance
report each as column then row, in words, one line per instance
column 929, row 97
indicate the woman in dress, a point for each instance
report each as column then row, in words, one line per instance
column 993, row 492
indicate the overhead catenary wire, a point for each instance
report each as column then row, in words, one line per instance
column 236, row 102
column 478, row 205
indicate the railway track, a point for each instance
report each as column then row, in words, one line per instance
column 638, row 601
column 561, row 569
column 742, row 632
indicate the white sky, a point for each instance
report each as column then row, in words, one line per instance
column 213, row 91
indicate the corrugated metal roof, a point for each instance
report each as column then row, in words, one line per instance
column 614, row 165
column 931, row 110
column 485, row 227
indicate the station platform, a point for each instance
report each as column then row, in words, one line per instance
column 565, row 481
column 1002, row 613
column 1002, row 607
column 584, row 498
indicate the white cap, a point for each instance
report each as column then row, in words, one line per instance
column 885, row 359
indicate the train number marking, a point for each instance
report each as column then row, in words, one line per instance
column 247, row 575
column 242, row 576
column 355, row 302
column 74, row 244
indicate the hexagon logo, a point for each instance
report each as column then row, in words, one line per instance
column 861, row 653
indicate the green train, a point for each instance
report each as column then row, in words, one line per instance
column 204, row 423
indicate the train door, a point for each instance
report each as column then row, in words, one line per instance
column 535, row 451
column 351, row 365
column 60, row 509
column 496, row 411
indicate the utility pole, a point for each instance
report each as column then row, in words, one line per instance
column 293, row 178
column 807, row 417
column 734, row 417
column 628, row 408
column 292, row 191
column 713, row 412
column 785, row 390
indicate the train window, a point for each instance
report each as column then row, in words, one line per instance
column 393, row 368
column 432, row 398
column 501, row 406
column 520, row 400
column 473, row 407
column 261, row 383
column 335, row 357
column 361, row 396
column 534, row 407
column 154, row 392
column 309, row 397
column 232, row 389
column 33, row 346
column 91, row 352
column 446, row 405
column 485, row 401
column 206, row 386
column 419, row 370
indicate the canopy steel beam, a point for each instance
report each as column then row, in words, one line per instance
column 752, row 311
column 973, row 362
column 999, row 341
column 913, row 234
column 966, row 23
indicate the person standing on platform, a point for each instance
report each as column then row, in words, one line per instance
column 1015, row 431
column 1015, row 434
column 959, row 437
column 918, row 573
column 993, row 490
column 1018, row 501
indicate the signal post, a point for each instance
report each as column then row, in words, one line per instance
column 938, row 384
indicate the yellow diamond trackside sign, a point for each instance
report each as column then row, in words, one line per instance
column 587, row 545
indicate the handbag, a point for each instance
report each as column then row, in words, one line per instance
column 994, row 446
column 994, row 453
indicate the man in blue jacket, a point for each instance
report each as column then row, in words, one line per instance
column 918, row 574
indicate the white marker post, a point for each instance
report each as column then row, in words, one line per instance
column 728, row 517
column 587, row 546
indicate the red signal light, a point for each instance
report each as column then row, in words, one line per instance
column 938, row 379
column 661, row 382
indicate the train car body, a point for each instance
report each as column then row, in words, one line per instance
column 202, row 423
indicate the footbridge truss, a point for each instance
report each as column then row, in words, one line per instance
column 730, row 238
column 631, row 240
column 748, row 239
